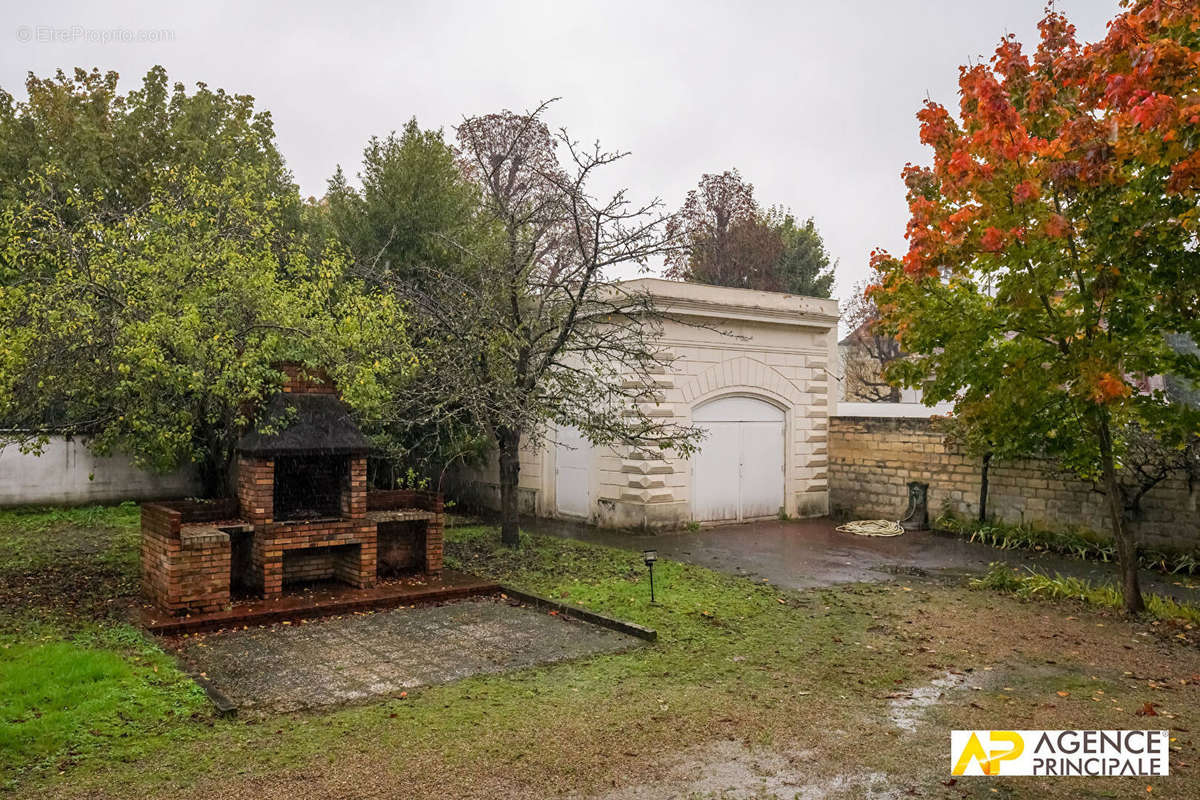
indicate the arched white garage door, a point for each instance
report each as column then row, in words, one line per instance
column 738, row 473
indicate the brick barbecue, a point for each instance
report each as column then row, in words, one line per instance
column 302, row 514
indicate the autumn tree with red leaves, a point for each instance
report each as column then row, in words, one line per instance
column 1052, row 248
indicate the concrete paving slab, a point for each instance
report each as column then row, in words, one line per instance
column 354, row 658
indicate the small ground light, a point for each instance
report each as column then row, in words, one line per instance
column 650, row 556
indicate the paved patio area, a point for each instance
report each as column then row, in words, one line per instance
column 351, row 658
column 803, row 554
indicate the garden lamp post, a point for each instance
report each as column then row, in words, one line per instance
column 650, row 556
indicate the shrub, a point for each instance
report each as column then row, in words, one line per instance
column 1031, row 584
column 1076, row 543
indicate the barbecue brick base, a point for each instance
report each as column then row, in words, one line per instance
column 184, row 567
column 191, row 550
column 188, row 561
column 346, row 547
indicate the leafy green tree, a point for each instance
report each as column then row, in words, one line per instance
column 415, row 211
column 152, row 272
column 803, row 266
column 155, row 334
column 113, row 146
column 415, row 220
column 1052, row 252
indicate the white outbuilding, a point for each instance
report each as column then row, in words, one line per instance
column 763, row 397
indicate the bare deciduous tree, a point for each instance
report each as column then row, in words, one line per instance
column 723, row 240
column 532, row 329
column 1147, row 461
column 868, row 353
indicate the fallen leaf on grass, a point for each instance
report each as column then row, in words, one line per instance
column 1063, row 693
column 1147, row 710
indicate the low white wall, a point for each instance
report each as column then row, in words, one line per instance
column 913, row 410
column 68, row 473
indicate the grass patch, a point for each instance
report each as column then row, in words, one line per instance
column 734, row 658
column 37, row 537
column 40, row 518
column 66, row 566
column 76, row 681
column 801, row 675
column 67, row 699
column 1073, row 543
column 1031, row 584
column 698, row 610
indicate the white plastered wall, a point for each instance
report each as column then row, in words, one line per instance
column 774, row 347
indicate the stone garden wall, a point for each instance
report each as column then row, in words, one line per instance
column 872, row 459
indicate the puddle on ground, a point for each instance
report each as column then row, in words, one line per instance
column 729, row 770
column 907, row 711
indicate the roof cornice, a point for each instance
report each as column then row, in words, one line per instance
column 736, row 304
column 728, row 311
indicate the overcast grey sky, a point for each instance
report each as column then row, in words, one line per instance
column 812, row 101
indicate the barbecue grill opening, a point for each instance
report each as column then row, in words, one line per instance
column 310, row 487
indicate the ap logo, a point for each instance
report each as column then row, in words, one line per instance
column 976, row 755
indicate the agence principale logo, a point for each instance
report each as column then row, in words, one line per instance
column 1059, row 753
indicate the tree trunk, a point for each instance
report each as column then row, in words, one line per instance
column 210, row 481
column 214, row 472
column 510, row 471
column 983, row 486
column 1126, row 544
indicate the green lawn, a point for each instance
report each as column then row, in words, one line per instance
column 78, row 682
column 798, row 680
column 74, row 697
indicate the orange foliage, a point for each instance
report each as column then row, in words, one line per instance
column 1108, row 387
column 1034, row 130
column 993, row 240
